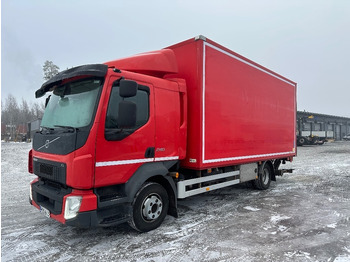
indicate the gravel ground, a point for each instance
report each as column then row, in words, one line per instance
column 305, row 216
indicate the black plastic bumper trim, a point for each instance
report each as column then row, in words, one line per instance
column 91, row 219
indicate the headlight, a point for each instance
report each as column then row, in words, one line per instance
column 72, row 206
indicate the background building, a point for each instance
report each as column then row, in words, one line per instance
column 328, row 126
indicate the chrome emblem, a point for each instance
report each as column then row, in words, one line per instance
column 48, row 142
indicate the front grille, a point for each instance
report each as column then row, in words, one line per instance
column 47, row 169
column 51, row 170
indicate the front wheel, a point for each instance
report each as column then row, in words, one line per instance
column 264, row 177
column 150, row 207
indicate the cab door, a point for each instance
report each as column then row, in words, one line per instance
column 121, row 151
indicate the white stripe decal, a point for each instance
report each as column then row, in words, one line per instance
column 135, row 161
column 203, row 107
column 244, row 157
column 157, row 159
column 124, row 162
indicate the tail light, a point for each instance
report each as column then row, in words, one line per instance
column 30, row 162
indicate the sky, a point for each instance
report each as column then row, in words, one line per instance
column 305, row 41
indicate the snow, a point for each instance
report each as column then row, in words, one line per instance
column 305, row 216
column 277, row 218
column 251, row 208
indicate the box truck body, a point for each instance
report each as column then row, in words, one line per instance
column 239, row 112
column 122, row 141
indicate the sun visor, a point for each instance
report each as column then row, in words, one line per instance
column 98, row 70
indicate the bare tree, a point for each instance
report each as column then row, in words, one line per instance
column 50, row 69
column 37, row 111
column 10, row 114
column 14, row 118
column 25, row 114
column 11, row 110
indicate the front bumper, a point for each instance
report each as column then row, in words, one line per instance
column 90, row 215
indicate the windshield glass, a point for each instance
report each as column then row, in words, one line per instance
column 72, row 104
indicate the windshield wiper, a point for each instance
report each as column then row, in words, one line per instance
column 68, row 128
column 48, row 130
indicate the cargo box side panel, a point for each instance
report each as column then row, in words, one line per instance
column 189, row 56
column 248, row 112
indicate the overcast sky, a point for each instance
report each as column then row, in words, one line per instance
column 305, row 41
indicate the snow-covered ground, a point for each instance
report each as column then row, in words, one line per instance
column 305, row 216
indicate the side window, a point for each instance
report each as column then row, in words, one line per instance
column 142, row 107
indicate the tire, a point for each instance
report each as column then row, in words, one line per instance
column 150, row 207
column 301, row 141
column 264, row 178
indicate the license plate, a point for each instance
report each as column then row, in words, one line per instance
column 45, row 211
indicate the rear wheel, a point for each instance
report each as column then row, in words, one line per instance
column 150, row 207
column 264, row 177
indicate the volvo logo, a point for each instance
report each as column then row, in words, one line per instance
column 48, row 142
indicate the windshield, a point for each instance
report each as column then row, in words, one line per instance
column 72, row 104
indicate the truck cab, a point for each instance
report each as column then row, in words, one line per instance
column 105, row 133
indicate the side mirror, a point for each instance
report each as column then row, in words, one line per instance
column 127, row 88
column 126, row 114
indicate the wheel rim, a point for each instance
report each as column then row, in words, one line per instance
column 152, row 207
column 266, row 176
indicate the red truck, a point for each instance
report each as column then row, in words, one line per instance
column 124, row 140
